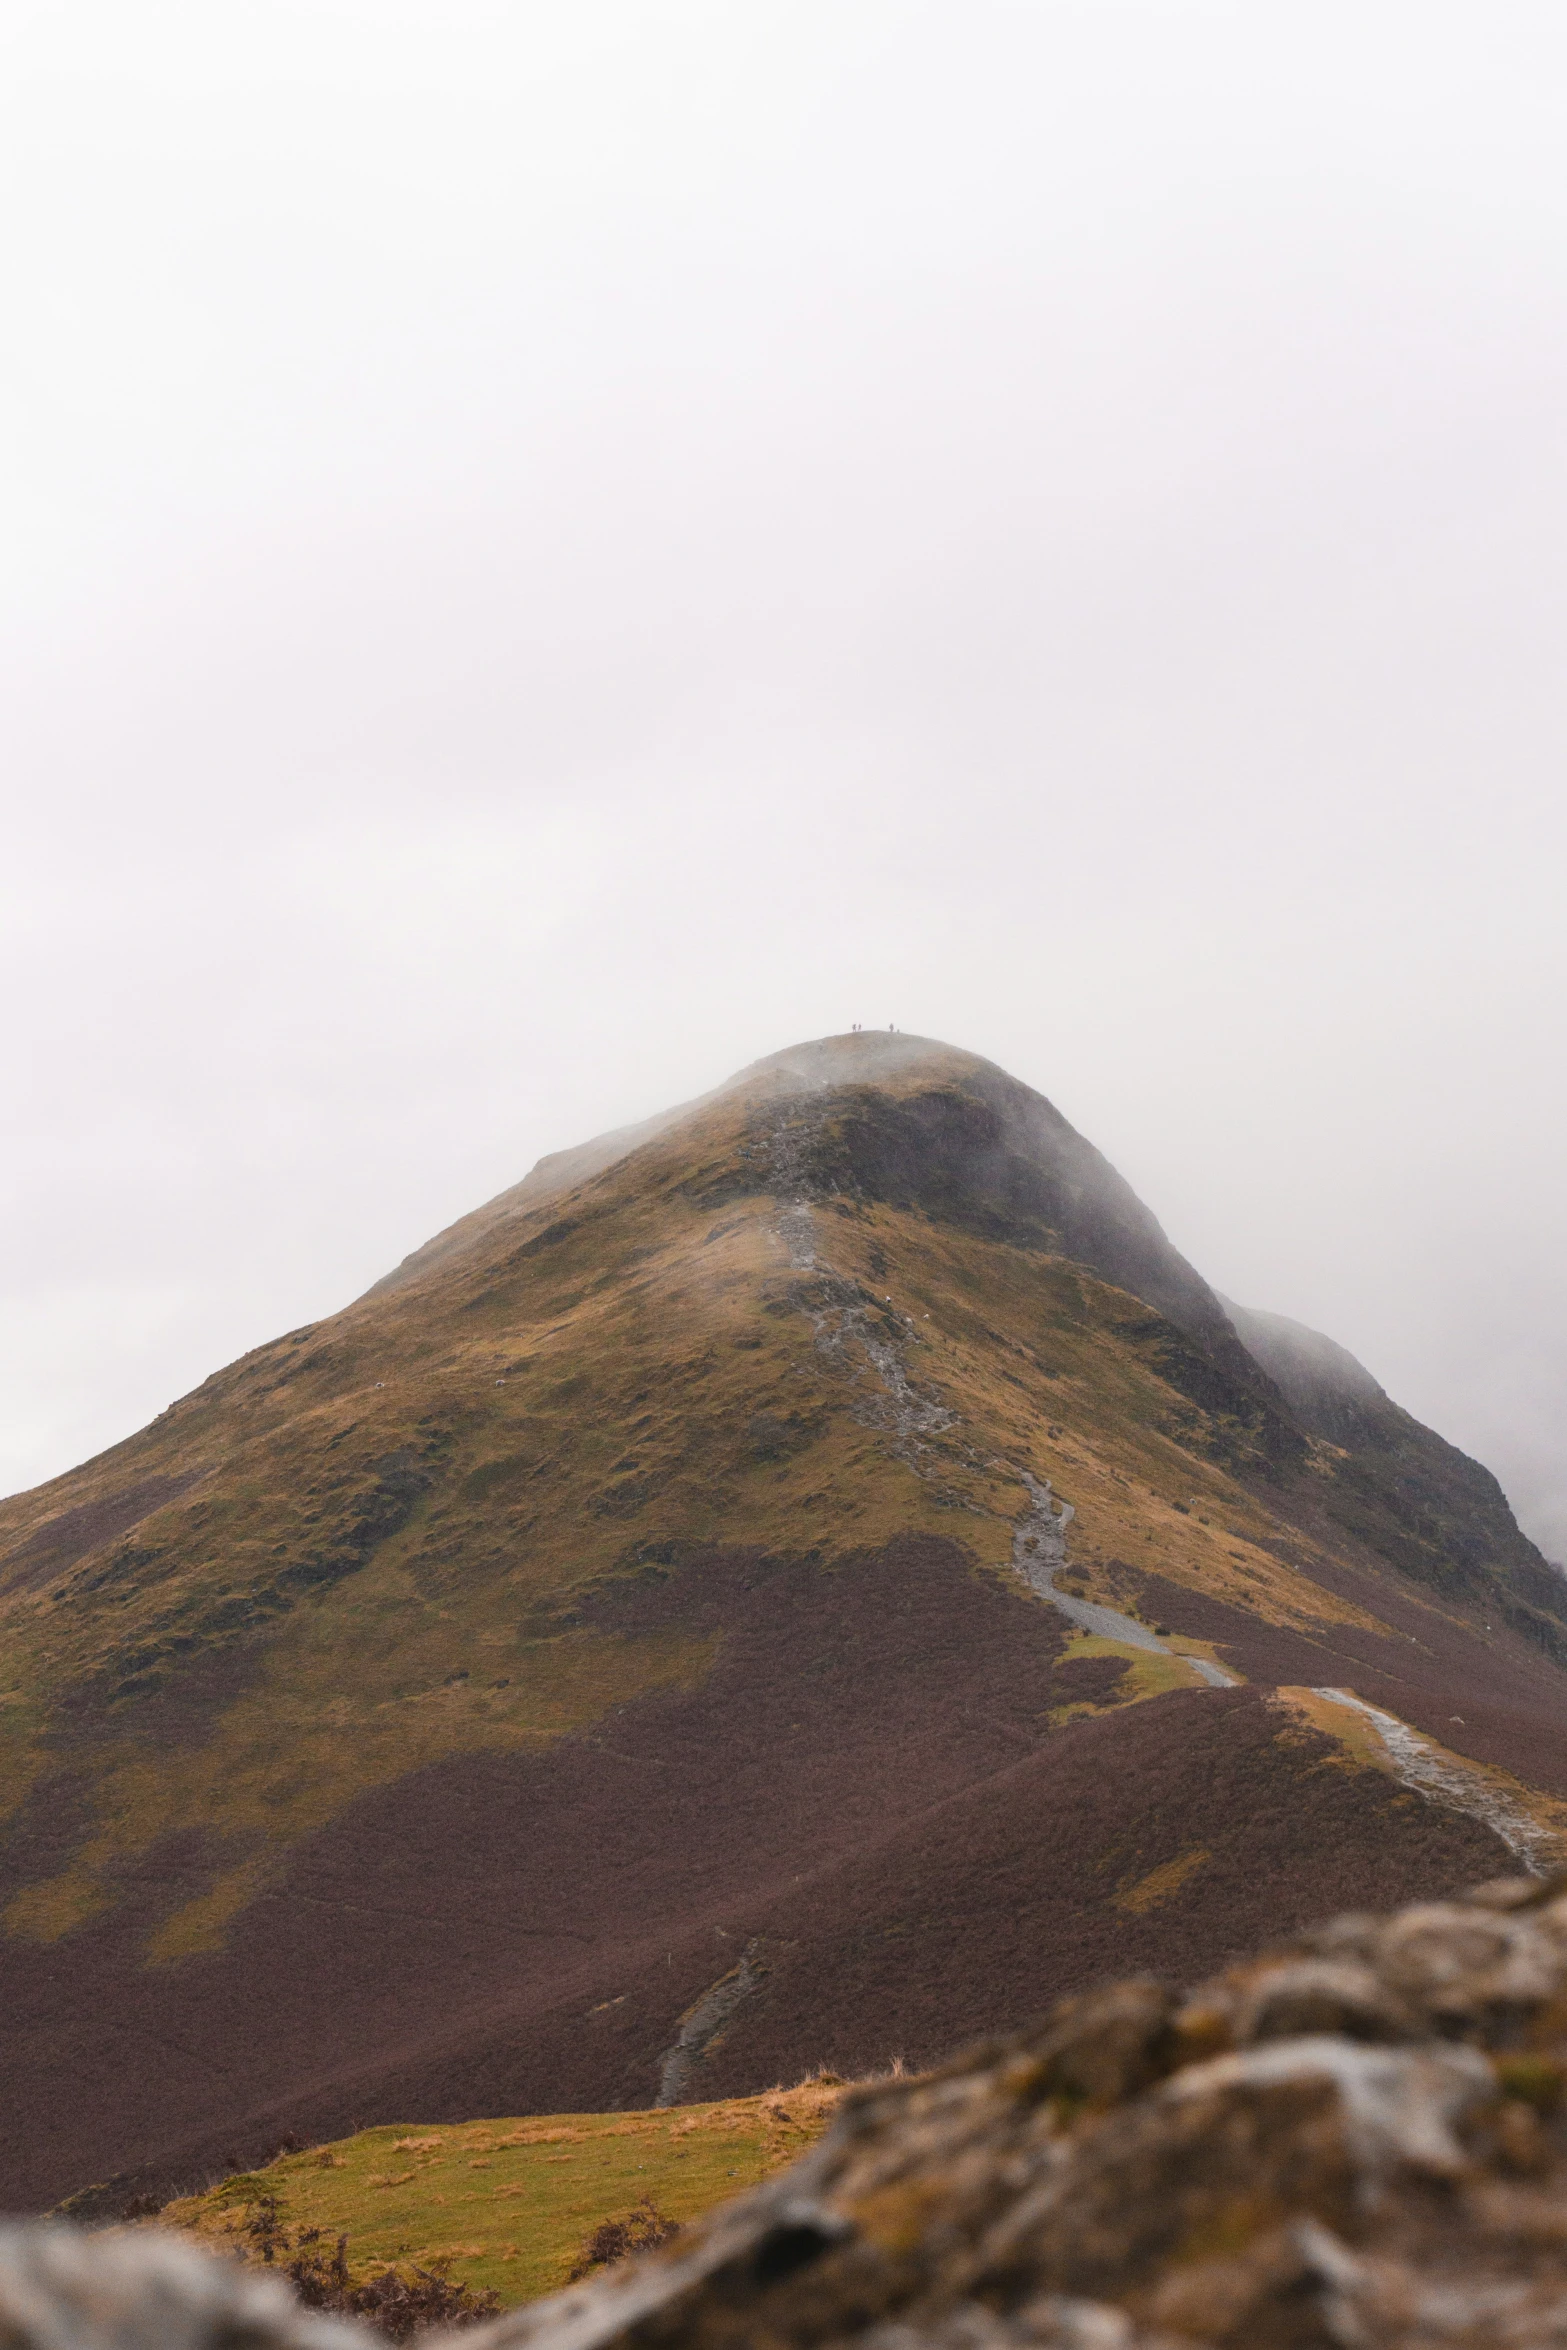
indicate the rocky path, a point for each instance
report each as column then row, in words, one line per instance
column 848, row 1332
column 702, row 2023
column 1038, row 1554
column 1444, row 1778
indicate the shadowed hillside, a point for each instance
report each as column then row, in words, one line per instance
column 596, row 1662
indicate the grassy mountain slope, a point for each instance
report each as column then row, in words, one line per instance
column 625, row 1584
column 508, row 2205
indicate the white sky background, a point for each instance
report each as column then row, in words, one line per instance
column 551, row 550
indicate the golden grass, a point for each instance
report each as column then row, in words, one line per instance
column 1354, row 1736
column 510, row 2203
column 1360, row 1746
column 580, row 1392
column 1161, row 1884
column 1147, row 1675
column 281, row 1762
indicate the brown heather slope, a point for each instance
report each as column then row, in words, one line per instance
column 592, row 1661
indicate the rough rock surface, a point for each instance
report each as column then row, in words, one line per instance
column 62, row 2288
column 1358, row 2138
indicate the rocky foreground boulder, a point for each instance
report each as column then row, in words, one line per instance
column 1357, row 2138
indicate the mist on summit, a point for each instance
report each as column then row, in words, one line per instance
column 847, row 1462
column 549, row 547
column 563, row 1556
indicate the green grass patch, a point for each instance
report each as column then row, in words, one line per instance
column 510, row 2205
column 1147, row 1675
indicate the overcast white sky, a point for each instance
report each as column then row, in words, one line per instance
column 550, row 550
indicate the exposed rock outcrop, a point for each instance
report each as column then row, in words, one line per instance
column 1358, row 2138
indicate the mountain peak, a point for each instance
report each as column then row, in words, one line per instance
column 806, row 1528
column 861, row 1056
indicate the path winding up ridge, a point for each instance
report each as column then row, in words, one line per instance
column 1444, row 1778
column 424, row 1714
column 1039, row 1553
